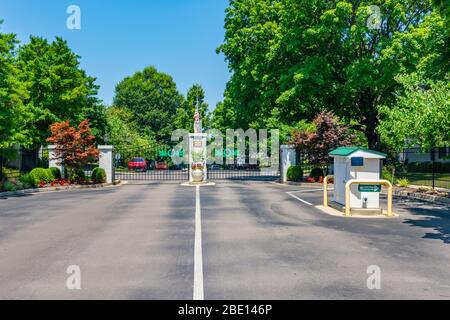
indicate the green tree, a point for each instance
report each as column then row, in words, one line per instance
column 185, row 114
column 59, row 89
column 122, row 131
column 223, row 118
column 12, row 94
column 304, row 56
column 153, row 99
column 419, row 117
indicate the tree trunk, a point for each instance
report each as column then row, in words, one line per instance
column 371, row 133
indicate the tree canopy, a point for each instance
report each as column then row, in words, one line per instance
column 421, row 116
column 185, row 113
column 58, row 88
column 294, row 58
column 153, row 99
column 12, row 94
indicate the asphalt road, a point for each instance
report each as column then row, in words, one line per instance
column 257, row 242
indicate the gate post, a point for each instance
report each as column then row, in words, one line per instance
column 288, row 159
column 106, row 162
column 197, row 144
column 52, row 161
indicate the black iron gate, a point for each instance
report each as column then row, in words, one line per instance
column 147, row 163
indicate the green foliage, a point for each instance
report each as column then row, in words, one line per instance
column 98, row 175
column 124, row 134
column 56, row 173
column 316, row 173
column 419, row 117
column 185, row 113
column 9, row 186
column 77, row 175
column 12, row 94
column 403, row 183
column 153, row 99
column 386, row 174
column 41, row 175
column 303, row 56
column 295, row 173
column 427, row 167
column 28, row 180
column 59, row 89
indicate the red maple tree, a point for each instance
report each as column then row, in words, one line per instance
column 328, row 135
column 74, row 147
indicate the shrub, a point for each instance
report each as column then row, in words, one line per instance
column 28, row 181
column 41, row 175
column 77, row 175
column 99, row 175
column 295, row 173
column 9, row 186
column 387, row 174
column 316, row 173
column 403, row 183
column 55, row 172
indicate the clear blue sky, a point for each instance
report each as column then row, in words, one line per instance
column 120, row 37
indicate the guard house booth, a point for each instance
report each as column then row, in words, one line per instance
column 359, row 164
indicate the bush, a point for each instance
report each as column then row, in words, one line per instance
column 9, row 186
column 28, row 181
column 55, row 172
column 403, row 183
column 77, row 175
column 316, row 173
column 41, row 175
column 387, row 174
column 98, row 175
column 295, row 173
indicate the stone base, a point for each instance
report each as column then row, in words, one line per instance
column 357, row 211
column 201, row 184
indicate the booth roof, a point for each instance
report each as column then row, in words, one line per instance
column 346, row 151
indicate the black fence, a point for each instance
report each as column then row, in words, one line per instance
column 263, row 174
column 420, row 168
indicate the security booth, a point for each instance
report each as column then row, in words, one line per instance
column 357, row 181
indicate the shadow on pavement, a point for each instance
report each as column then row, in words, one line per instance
column 437, row 219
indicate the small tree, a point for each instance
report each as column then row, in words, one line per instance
column 74, row 147
column 328, row 135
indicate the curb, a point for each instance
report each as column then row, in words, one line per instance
column 422, row 196
column 59, row 189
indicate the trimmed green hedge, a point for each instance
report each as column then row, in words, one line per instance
column 77, row 175
column 55, row 172
column 295, row 173
column 40, row 175
column 98, row 175
column 427, row 167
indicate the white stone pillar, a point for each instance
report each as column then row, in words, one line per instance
column 52, row 162
column 197, row 143
column 106, row 162
column 288, row 159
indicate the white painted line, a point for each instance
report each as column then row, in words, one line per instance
column 305, row 202
column 198, row 256
column 305, row 191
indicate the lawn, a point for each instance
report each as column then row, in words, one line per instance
column 442, row 180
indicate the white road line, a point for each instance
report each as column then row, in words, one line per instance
column 198, row 256
column 305, row 202
column 305, row 191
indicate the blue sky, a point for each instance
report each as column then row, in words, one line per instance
column 118, row 38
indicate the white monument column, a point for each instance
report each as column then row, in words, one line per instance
column 197, row 146
column 106, row 162
column 288, row 159
column 52, row 161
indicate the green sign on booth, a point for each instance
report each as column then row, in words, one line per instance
column 369, row 188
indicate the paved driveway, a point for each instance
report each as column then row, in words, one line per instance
column 256, row 241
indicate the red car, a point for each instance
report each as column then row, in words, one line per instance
column 137, row 164
column 161, row 166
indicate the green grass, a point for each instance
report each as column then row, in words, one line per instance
column 442, row 180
